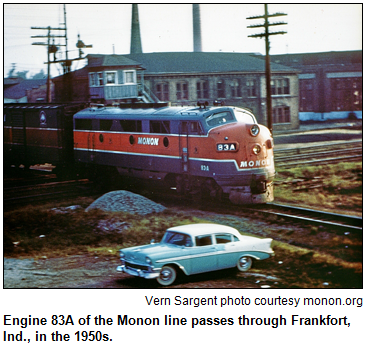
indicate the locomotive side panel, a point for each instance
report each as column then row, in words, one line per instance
column 194, row 150
column 131, row 152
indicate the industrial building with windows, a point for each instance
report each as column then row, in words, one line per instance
column 304, row 87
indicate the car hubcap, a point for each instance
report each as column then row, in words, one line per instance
column 244, row 261
column 166, row 274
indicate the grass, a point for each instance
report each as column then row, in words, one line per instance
column 40, row 231
column 336, row 187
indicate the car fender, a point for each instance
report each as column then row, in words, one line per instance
column 176, row 265
column 257, row 255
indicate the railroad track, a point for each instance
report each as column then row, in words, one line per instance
column 318, row 154
column 53, row 191
column 313, row 217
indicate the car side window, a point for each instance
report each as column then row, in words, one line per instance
column 223, row 238
column 203, row 240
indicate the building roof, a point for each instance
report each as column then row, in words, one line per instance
column 99, row 60
column 203, row 62
column 319, row 58
column 11, row 81
column 19, row 90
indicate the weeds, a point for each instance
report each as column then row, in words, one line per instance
column 331, row 187
column 35, row 230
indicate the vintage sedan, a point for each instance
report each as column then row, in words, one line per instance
column 193, row 249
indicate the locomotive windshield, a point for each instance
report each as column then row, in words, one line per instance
column 245, row 117
column 220, row 118
column 224, row 117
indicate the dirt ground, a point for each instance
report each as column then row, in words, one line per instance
column 84, row 271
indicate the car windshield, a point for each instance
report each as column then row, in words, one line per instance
column 245, row 117
column 177, row 239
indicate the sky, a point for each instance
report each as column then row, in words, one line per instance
column 168, row 28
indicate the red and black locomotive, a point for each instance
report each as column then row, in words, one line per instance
column 218, row 150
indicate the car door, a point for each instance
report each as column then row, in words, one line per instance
column 204, row 255
column 226, row 250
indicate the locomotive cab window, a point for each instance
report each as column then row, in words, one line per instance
column 131, row 126
column 162, row 127
column 192, row 127
column 105, row 125
column 83, row 124
column 220, row 118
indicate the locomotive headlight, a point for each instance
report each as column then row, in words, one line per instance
column 256, row 149
column 254, row 130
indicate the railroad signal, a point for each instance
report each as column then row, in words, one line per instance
column 266, row 35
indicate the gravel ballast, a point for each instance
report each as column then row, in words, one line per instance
column 126, row 201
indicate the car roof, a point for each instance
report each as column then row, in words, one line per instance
column 200, row 229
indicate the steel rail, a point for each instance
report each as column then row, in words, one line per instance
column 320, row 161
column 353, row 223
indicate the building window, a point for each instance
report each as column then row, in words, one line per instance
column 96, row 79
column 182, row 91
column 235, row 89
column 346, row 94
column 162, row 91
column 279, row 86
column 202, row 90
column 111, row 77
column 251, row 87
column 281, row 114
column 221, row 89
column 92, row 80
column 306, row 95
column 100, row 79
column 129, row 77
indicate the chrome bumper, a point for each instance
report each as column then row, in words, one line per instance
column 138, row 272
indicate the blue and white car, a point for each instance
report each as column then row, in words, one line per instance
column 194, row 249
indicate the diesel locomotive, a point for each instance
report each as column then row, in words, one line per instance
column 213, row 150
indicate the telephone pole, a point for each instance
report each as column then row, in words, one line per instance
column 266, row 35
column 53, row 48
column 50, row 49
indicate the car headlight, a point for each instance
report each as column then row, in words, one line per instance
column 254, row 130
column 122, row 255
column 148, row 260
column 256, row 149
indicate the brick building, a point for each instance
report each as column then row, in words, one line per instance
column 330, row 84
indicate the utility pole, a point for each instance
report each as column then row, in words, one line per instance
column 53, row 48
column 50, row 49
column 266, row 34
